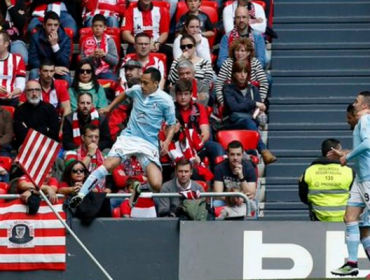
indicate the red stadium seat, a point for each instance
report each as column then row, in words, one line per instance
column 4, row 186
column 203, row 184
column 10, row 109
column 248, row 138
column 116, row 212
column 218, row 210
column 6, row 162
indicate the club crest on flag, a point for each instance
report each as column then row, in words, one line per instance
column 20, row 235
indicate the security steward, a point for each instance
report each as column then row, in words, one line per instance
column 325, row 186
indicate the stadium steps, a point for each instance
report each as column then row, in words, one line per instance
column 320, row 62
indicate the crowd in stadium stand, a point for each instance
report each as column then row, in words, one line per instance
column 74, row 99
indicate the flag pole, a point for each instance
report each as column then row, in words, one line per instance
column 67, row 227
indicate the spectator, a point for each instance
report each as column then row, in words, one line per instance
column 203, row 68
column 241, row 50
column 86, row 81
column 53, row 91
column 200, row 89
column 325, row 185
column 351, row 116
column 235, row 172
column 12, row 73
column 35, row 114
column 145, row 59
column 257, row 16
column 73, row 177
column 101, row 49
column 91, row 156
column 169, row 206
column 242, row 30
column 194, row 116
column 192, row 28
column 85, row 115
column 65, row 10
column 50, row 42
column 206, row 27
column 6, row 132
column 155, row 21
column 235, row 207
column 242, row 103
column 111, row 9
column 124, row 203
column 13, row 19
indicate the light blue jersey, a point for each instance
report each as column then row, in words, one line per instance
column 148, row 113
column 361, row 149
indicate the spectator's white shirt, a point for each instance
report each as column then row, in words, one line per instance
column 202, row 50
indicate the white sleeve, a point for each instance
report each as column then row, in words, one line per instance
column 260, row 13
column 228, row 18
column 203, row 50
column 20, row 82
column 176, row 48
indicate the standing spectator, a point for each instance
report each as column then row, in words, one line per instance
column 12, row 73
column 13, row 20
column 35, row 114
column 6, row 132
column 325, row 185
column 241, row 50
column 192, row 28
column 235, row 172
column 53, row 43
column 206, row 26
column 101, row 48
column 242, row 30
column 111, row 10
column 85, row 81
column 168, row 206
column 154, row 21
column 203, row 68
column 241, row 102
column 65, row 10
column 257, row 16
column 85, row 115
column 145, row 58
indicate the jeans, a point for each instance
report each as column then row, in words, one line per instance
column 173, row 6
column 19, row 47
column 213, row 150
column 111, row 21
column 35, row 73
column 66, row 21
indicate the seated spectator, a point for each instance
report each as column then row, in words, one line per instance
column 110, row 9
column 13, row 19
column 257, row 16
column 235, row 172
column 325, row 185
column 242, row 30
column 206, row 26
column 241, row 102
column 241, row 50
column 203, row 68
column 154, row 21
column 31, row 197
column 74, row 176
column 101, row 49
column 351, row 116
column 200, row 90
column 12, row 73
column 85, row 81
column 6, row 132
column 35, row 114
column 235, row 207
column 191, row 28
column 53, row 91
column 50, row 42
column 76, row 122
column 194, row 116
column 169, row 206
column 124, row 204
column 145, row 59
column 65, row 10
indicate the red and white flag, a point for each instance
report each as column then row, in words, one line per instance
column 37, row 155
column 31, row 242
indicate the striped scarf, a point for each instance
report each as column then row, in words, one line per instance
column 234, row 34
column 77, row 140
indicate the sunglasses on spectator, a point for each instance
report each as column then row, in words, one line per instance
column 87, row 71
column 187, row 46
column 77, row 171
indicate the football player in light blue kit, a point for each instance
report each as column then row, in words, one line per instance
column 360, row 192
column 151, row 107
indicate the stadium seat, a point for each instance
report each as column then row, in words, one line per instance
column 4, row 186
column 116, row 212
column 10, row 109
column 6, row 162
column 203, row 184
column 248, row 138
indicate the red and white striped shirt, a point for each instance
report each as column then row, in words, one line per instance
column 103, row 7
column 154, row 21
column 56, row 7
column 11, row 68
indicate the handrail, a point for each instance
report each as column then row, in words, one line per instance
column 126, row 195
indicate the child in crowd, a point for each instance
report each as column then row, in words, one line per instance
column 125, row 206
column 101, row 48
column 206, row 26
column 235, row 207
